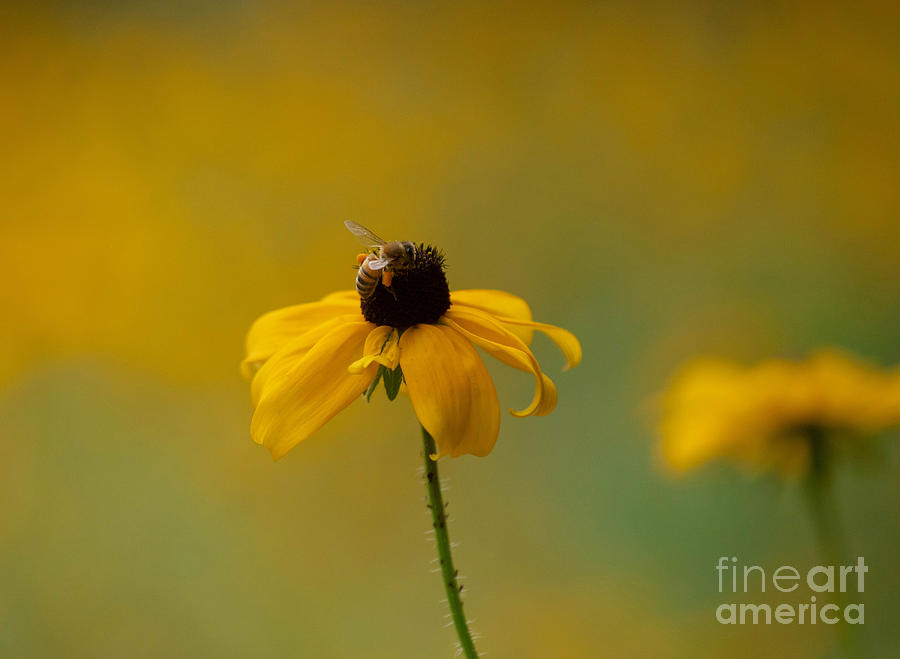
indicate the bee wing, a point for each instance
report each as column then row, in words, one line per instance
column 377, row 264
column 363, row 235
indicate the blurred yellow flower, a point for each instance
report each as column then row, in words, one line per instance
column 310, row 361
column 763, row 416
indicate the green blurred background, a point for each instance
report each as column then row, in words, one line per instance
column 664, row 181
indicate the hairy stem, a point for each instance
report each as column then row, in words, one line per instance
column 442, row 539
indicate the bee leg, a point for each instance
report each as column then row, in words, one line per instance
column 360, row 258
column 386, row 277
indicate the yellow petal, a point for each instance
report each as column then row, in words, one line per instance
column 349, row 296
column 292, row 352
column 450, row 389
column 382, row 347
column 564, row 339
column 297, row 401
column 272, row 330
column 497, row 303
column 483, row 331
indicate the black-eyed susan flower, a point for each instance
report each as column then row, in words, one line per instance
column 310, row 361
column 764, row 416
column 790, row 417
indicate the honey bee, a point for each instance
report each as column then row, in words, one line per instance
column 384, row 259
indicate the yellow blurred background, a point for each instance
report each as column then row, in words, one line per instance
column 663, row 180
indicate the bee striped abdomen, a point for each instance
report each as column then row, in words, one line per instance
column 366, row 279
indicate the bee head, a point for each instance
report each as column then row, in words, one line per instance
column 401, row 254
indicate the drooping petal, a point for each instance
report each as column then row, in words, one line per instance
column 564, row 339
column 497, row 303
column 292, row 352
column 297, row 401
column 272, row 330
column 451, row 391
column 382, row 347
column 480, row 328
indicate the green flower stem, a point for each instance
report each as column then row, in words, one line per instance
column 827, row 525
column 442, row 538
column 826, row 521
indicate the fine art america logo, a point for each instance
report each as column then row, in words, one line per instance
column 830, row 580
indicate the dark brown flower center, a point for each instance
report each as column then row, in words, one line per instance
column 418, row 294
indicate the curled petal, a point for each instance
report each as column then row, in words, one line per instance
column 487, row 334
column 564, row 339
column 301, row 396
column 497, row 303
column 450, row 389
column 382, row 347
column 273, row 330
